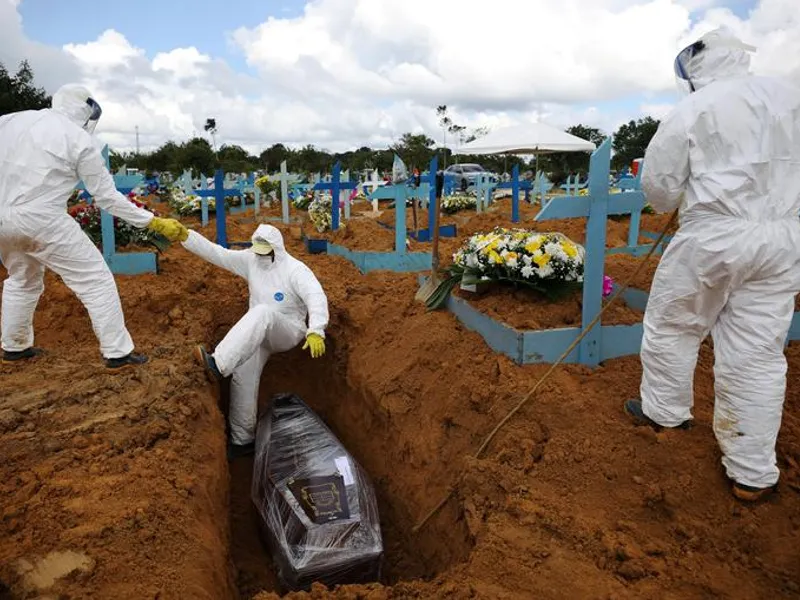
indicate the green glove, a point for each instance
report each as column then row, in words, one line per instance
column 316, row 343
column 170, row 228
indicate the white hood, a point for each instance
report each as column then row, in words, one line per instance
column 70, row 100
column 274, row 237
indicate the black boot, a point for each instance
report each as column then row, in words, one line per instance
column 21, row 354
column 747, row 493
column 633, row 408
column 132, row 360
column 208, row 363
column 235, row 451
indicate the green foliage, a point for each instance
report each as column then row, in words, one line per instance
column 631, row 140
column 235, row 159
column 18, row 92
column 563, row 164
column 415, row 150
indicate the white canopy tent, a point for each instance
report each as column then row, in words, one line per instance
column 533, row 138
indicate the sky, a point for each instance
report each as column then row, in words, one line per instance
column 341, row 74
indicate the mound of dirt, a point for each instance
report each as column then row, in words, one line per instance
column 117, row 485
column 527, row 310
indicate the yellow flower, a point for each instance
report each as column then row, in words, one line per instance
column 532, row 247
column 495, row 257
column 542, row 259
column 570, row 249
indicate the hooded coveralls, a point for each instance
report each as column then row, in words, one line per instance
column 729, row 154
column 43, row 156
column 283, row 294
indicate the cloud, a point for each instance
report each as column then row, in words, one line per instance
column 51, row 65
column 347, row 73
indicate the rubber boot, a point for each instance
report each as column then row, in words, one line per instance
column 28, row 353
column 132, row 360
column 747, row 493
column 633, row 408
column 208, row 363
column 236, row 451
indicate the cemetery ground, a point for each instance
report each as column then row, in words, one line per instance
column 117, row 485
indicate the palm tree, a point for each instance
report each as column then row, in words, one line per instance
column 211, row 127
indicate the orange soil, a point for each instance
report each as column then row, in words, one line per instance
column 128, row 472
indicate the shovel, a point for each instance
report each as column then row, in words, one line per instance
column 433, row 282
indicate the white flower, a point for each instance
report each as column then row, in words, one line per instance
column 545, row 271
column 527, row 271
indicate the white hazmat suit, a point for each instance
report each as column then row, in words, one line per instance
column 283, row 294
column 43, row 156
column 729, row 154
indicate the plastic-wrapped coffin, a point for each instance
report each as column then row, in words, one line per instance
column 317, row 507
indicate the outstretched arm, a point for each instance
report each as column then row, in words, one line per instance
column 235, row 261
column 99, row 183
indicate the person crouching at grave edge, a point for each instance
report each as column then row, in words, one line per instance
column 284, row 296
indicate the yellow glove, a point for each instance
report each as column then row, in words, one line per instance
column 316, row 343
column 170, row 228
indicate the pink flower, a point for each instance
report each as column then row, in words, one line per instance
column 608, row 286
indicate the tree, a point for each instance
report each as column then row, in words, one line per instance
column 415, row 150
column 115, row 160
column 272, row 157
column 560, row 165
column 235, row 159
column 631, row 140
column 445, row 122
column 211, row 127
column 476, row 133
column 196, row 154
column 18, row 92
column 312, row 160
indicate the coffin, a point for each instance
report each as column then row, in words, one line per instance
column 317, row 508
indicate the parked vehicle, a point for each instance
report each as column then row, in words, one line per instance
column 467, row 174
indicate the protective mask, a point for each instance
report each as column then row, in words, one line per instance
column 94, row 116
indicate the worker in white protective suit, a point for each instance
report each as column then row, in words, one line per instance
column 284, row 294
column 729, row 155
column 43, row 156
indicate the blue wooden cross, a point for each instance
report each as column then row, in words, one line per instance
column 515, row 185
column 596, row 206
column 219, row 193
column 335, row 186
column 485, row 191
column 246, row 184
column 185, row 182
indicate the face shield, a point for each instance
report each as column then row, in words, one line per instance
column 94, row 115
column 684, row 82
column 711, row 53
